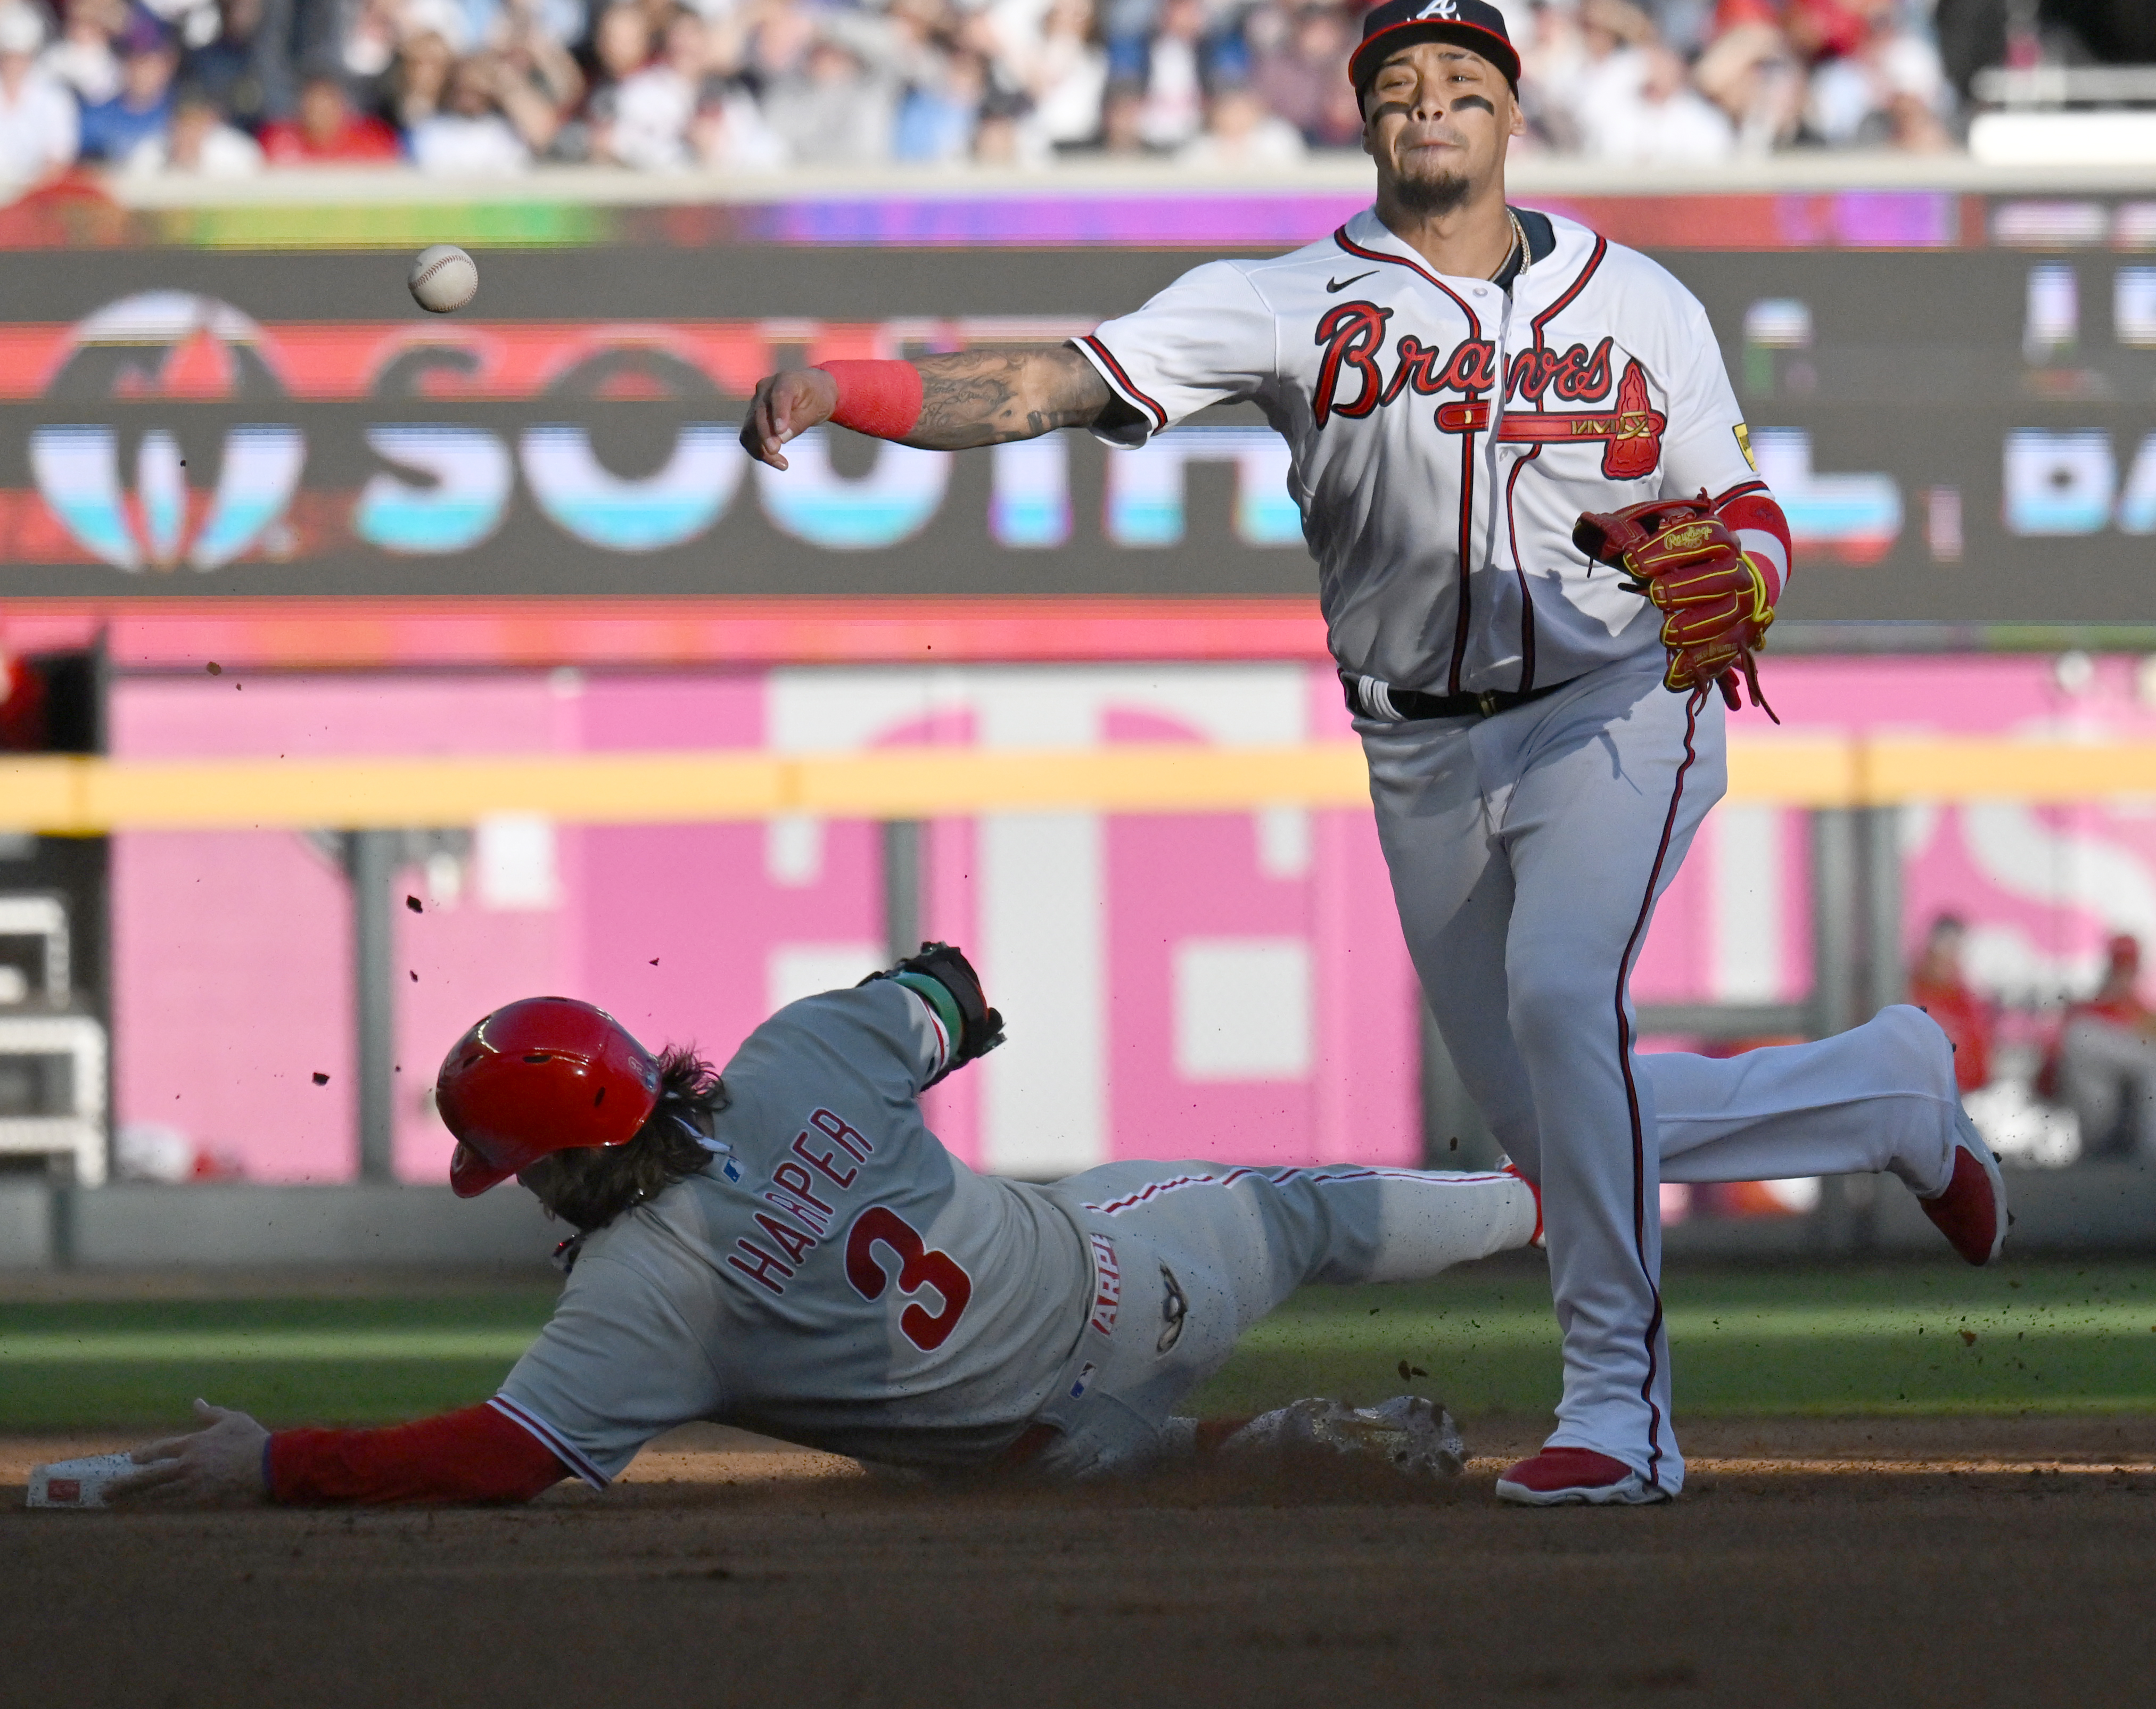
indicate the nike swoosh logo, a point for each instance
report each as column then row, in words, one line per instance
column 1333, row 285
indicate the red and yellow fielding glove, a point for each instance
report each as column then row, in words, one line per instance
column 1712, row 594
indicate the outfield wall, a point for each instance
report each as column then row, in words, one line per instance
column 1226, row 984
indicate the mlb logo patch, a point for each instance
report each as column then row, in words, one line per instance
column 1084, row 1379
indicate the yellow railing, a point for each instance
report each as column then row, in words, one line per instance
column 69, row 795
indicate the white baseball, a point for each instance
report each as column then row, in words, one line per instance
column 444, row 278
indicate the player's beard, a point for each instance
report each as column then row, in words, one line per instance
column 1434, row 196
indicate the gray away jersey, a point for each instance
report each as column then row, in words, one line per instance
column 1445, row 434
column 837, row 1278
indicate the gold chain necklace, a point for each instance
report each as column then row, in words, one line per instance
column 1519, row 247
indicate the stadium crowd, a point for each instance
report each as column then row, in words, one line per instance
column 226, row 88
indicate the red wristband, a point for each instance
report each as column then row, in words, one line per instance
column 882, row 399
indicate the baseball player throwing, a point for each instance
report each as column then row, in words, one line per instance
column 1542, row 548
column 787, row 1247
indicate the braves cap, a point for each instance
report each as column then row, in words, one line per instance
column 1472, row 23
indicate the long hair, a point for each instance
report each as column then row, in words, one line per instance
column 589, row 1186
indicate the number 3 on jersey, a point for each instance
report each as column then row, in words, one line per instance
column 879, row 1225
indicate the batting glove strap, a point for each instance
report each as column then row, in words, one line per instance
column 975, row 1029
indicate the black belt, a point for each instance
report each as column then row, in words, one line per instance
column 1408, row 705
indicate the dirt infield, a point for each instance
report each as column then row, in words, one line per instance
column 1860, row 1562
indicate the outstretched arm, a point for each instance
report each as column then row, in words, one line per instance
column 969, row 397
column 478, row 1454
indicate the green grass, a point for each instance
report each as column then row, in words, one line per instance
column 2049, row 1337
column 138, row 1363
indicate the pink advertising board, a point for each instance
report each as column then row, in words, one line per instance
column 1228, row 985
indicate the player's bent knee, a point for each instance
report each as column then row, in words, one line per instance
column 1563, row 1009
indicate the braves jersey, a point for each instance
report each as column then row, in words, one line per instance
column 1446, row 434
column 835, row 1277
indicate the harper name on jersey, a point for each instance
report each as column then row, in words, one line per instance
column 1447, row 433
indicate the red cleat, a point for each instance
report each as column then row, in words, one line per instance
column 1509, row 1168
column 1971, row 1211
column 1559, row 1477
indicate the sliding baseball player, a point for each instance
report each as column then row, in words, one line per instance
column 787, row 1247
column 1545, row 559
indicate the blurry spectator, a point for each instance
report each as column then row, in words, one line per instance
column 1303, row 79
column 1001, row 137
column 326, row 131
column 645, row 119
column 621, row 42
column 1685, row 26
column 83, row 58
column 938, row 114
column 1645, row 112
column 779, row 38
column 1123, row 118
column 371, row 32
column 563, row 23
column 245, row 70
column 621, row 47
column 112, row 129
column 1752, row 74
column 419, row 82
column 488, row 124
column 1175, row 76
column 472, row 26
column 2106, row 1066
column 1553, row 59
column 530, row 57
column 37, row 127
column 1821, row 30
column 199, row 142
column 728, row 133
column 1063, row 71
column 1938, row 986
column 835, row 111
column 1889, row 89
column 1240, row 135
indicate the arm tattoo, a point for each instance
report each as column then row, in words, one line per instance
column 987, row 397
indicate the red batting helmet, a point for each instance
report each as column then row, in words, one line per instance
column 548, row 1073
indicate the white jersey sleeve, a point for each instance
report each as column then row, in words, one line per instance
column 619, row 1362
column 1706, row 445
column 1209, row 338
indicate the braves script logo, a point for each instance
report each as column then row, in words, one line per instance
column 1353, row 336
column 1108, row 1284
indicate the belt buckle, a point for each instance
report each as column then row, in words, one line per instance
column 1487, row 700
